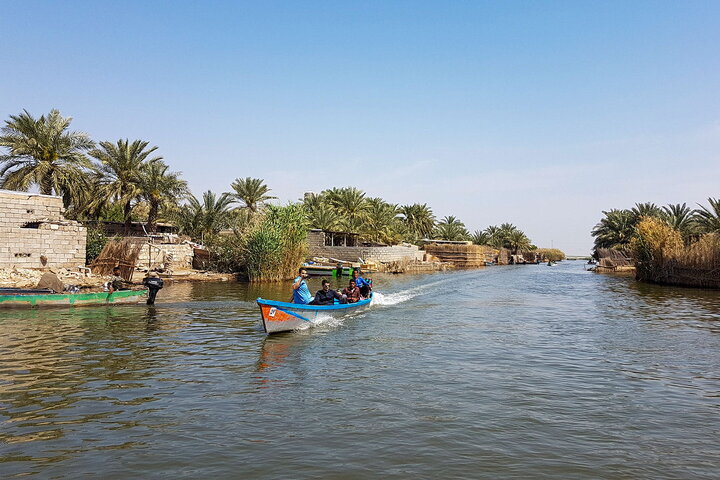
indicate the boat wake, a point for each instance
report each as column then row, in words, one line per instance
column 403, row 295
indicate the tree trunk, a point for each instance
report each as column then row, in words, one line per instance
column 126, row 215
column 152, row 217
column 46, row 185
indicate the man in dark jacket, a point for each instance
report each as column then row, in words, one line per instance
column 326, row 296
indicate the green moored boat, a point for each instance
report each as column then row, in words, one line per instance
column 19, row 298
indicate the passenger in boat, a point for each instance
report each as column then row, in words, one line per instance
column 351, row 293
column 116, row 281
column 301, row 292
column 326, row 296
column 364, row 285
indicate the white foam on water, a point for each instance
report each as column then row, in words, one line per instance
column 325, row 321
column 402, row 296
column 393, row 298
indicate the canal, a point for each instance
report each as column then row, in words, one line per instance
column 506, row 372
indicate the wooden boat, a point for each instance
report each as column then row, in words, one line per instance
column 22, row 298
column 285, row 317
column 325, row 270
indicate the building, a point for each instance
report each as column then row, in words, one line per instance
column 34, row 233
column 347, row 247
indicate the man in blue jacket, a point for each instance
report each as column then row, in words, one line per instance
column 365, row 286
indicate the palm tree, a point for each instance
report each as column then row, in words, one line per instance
column 614, row 230
column 205, row 219
column 160, row 187
column 419, row 220
column 121, row 166
column 451, row 228
column 495, row 236
column 708, row 219
column 347, row 202
column 518, row 241
column 480, row 237
column 680, row 217
column 252, row 192
column 43, row 153
column 322, row 216
column 382, row 224
column 648, row 209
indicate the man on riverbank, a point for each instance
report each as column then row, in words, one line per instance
column 301, row 292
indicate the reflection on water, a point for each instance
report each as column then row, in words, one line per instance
column 517, row 372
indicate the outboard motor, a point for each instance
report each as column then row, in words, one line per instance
column 153, row 283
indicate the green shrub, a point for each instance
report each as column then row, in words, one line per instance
column 96, row 241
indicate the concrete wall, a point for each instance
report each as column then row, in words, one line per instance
column 59, row 241
column 317, row 248
column 155, row 254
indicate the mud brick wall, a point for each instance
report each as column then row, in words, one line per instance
column 317, row 248
column 62, row 244
column 155, row 254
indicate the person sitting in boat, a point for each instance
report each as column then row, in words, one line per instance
column 364, row 285
column 326, row 296
column 116, row 281
column 301, row 292
column 351, row 293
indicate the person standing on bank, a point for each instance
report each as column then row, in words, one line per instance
column 301, row 292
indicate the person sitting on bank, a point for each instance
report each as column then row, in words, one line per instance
column 326, row 296
column 301, row 292
column 351, row 293
column 116, row 281
column 364, row 285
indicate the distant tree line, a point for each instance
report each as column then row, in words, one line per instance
column 618, row 227
column 124, row 180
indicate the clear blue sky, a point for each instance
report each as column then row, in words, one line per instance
column 542, row 114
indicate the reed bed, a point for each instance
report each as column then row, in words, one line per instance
column 662, row 256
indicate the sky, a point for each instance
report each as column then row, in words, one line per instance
column 541, row 114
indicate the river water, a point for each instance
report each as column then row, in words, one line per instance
column 506, row 372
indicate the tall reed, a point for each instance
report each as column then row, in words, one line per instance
column 277, row 246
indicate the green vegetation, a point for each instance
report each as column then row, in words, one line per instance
column 126, row 181
column 617, row 228
column 96, row 241
column 670, row 245
column 42, row 153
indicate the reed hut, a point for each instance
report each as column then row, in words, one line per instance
column 611, row 260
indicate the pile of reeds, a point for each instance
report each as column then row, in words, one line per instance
column 549, row 254
column 121, row 253
column 461, row 256
column 662, row 257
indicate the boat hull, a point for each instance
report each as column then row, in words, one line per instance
column 320, row 270
column 71, row 299
column 285, row 317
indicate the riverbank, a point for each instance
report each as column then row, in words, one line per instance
column 29, row 278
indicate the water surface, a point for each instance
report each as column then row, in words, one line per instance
column 507, row 372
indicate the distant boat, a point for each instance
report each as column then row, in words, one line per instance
column 325, row 270
column 32, row 298
column 285, row 317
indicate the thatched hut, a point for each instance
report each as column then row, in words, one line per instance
column 611, row 260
